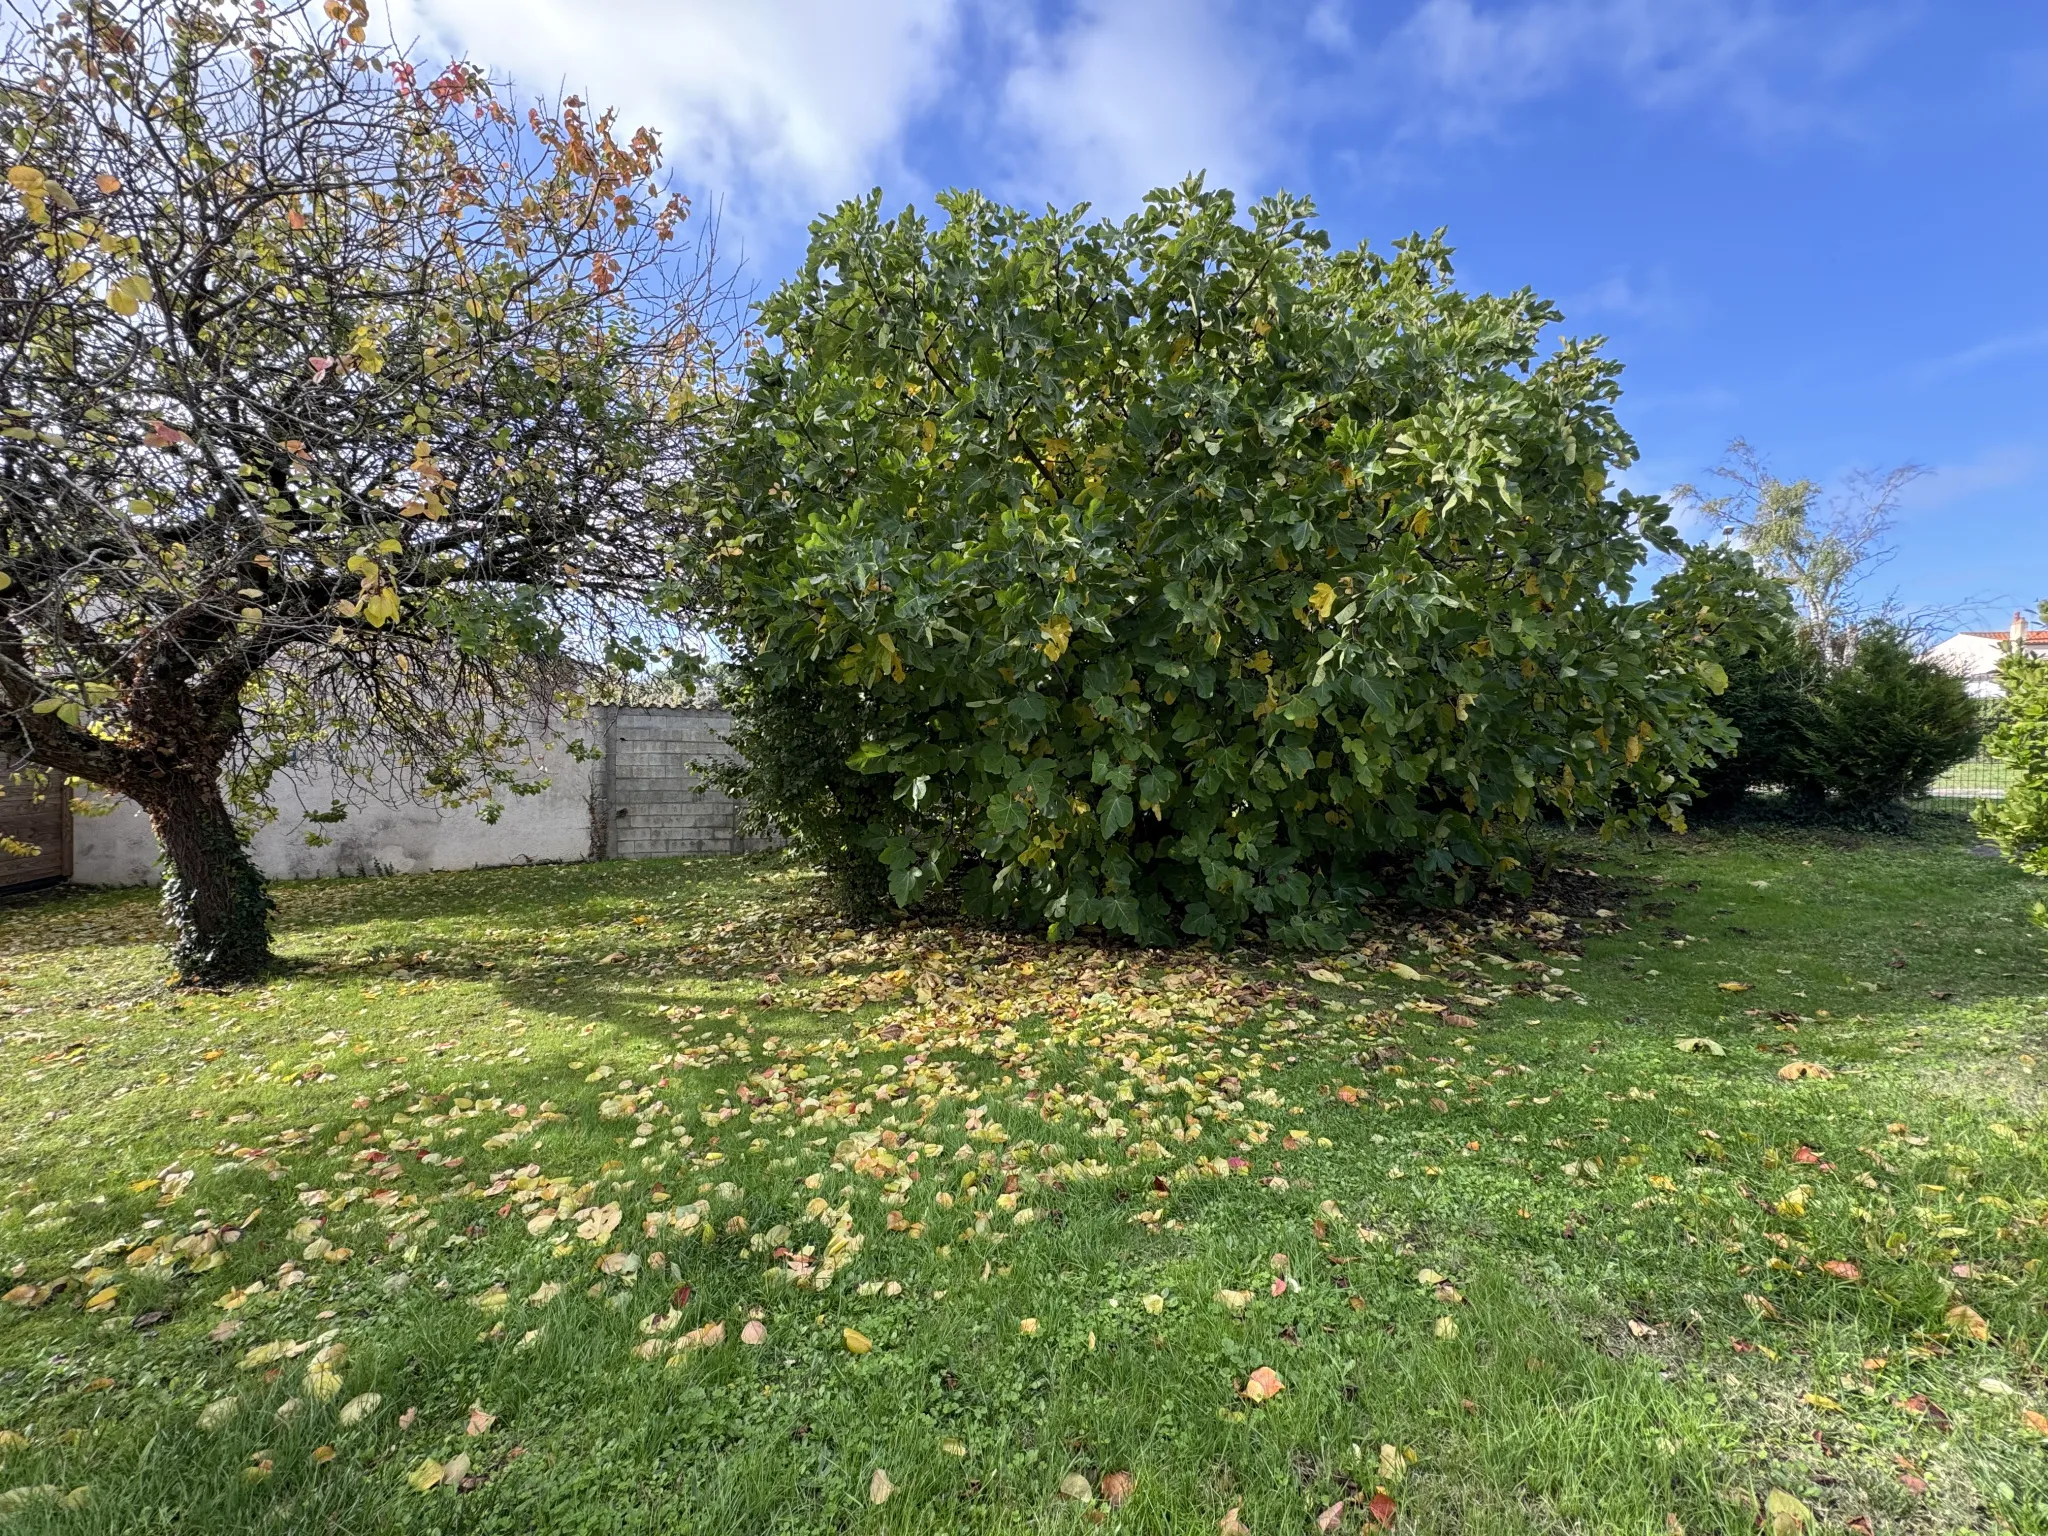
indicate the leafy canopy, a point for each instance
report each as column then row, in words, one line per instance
column 1180, row 574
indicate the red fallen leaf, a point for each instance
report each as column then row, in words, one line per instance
column 1116, row 1488
column 1742, row 1346
column 1279, row 1286
column 1380, row 1510
column 1841, row 1269
column 679, row 1298
column 1159, row 1184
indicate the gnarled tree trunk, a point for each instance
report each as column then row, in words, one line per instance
column 213, row 898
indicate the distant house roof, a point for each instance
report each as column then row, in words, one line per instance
column 2031, row 637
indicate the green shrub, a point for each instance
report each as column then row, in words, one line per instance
column 2018, row 824
column 1769, row 703
column 1179, row 575
column 1883, row 726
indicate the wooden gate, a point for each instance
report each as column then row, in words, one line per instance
column 35, row 833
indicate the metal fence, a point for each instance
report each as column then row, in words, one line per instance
column 1981, row 777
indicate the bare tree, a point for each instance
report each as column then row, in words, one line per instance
column 338, row 404
column 1822, row 546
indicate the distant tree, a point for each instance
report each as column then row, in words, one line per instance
column 338, row 404
column 1821, row 546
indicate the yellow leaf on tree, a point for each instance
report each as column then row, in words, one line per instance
column 1323, row 599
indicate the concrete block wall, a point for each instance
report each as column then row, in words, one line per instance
column 655, row 800
column 643, row 798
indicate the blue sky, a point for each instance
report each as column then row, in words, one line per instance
column 1819, row 226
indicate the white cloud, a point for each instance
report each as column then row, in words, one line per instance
column 1134, row 94
column 787, row 104
column 1467, row 66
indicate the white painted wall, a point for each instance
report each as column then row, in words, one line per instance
column 387, row 835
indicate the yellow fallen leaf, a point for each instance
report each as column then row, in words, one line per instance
column 1155, row 1304
column 103, row 1300
column 879, row 1487
column 953, row 1447
column 1076, row 1487
column 426, row 1477
column 1821, row 1401
column 360, row 1407
column 1793, row 1071
column 1700, row 1044
column 1732, row 986
column 322, row 1454
column 1446, row 1328
column 1969, row 1321
column 1405, row 972
column 1236, row 1301
column 856, row 1342
column 1028, row 1327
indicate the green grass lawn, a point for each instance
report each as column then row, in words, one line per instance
column 648, row 1198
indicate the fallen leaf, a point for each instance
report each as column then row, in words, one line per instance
column 456, row 1470
column 1028, row 1327
column 1924, row 1406
column 1991, row 1386
column 1968, row 1320
column 2035, row 1421
column 1262, row 1385
column 1841, row 1269
column 1230, row 1525
column 426, row 1477
column 479, row 1420
column 1793, row 1071
column 1116, row 1488
column 879, row 1487
column 406, row 1418
column 755, row 1332
column 1446, row 1327
column 103, row 1300
column 1236, row 1301
column 1331, row 1518
column 218, row 1412
column 856, row 1342
column 1700, row 1044
column 1075, row 1486
column 1393, row 1465
column 1380, row 1510
column 1732, row 986
column 953, row 1447
column 1405, row 972
column 360, row 1407
column 1641, row 1330
column 1785, row 1515
column 1155, row 1304
column 322, row 1454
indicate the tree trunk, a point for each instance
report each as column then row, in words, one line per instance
column 213, row 899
